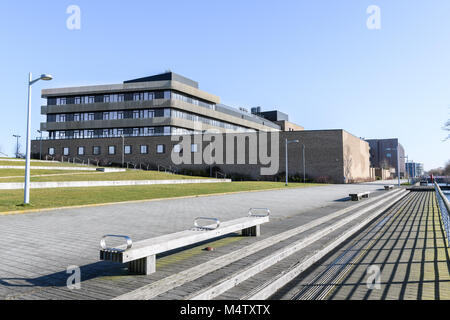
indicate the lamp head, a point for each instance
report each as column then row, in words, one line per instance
column 46, row 77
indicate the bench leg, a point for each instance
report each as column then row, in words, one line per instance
column 143, row 266
column 252, row 231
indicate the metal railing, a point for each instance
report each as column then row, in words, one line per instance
column 444, row 204
column 223, row 175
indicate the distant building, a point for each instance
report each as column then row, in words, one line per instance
column 383, row 154
column 414, row 169
column 279, row 118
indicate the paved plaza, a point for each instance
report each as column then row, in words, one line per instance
column 38, row 247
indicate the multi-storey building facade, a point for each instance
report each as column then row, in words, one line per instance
column 166, row 104
column 140, row 122
column 383, row 154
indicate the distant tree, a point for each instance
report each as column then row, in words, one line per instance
column 436, row 171
column 447, row 168
column 447, row 128
column 17, row 150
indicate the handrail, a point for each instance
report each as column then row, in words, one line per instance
column 251, row 212
column 222, row 174
column 445, row 217
column 103, row 242
column 217, row 221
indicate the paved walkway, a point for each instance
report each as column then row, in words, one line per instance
column 38, row 247
column 407, row 244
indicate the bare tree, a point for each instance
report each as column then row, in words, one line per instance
column 1, row 151
column 348, row 162
column 17, row 149
column 447, row 128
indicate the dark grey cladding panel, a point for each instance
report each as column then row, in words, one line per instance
column 168, row 76
column 275, row 115
column 247, row 116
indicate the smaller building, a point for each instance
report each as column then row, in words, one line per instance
column 383, row 154
column 414, row 169
column 279, row 118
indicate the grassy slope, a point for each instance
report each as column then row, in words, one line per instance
column 10, row 200
column 110, row 176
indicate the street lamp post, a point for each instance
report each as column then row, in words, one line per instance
column 17, row 144
column 406, row 169
column 287, row 169
column 304, row 165
column 40, row 145
column 123, row 150
column 45, row 77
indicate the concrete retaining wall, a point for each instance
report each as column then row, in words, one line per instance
column 84, row 184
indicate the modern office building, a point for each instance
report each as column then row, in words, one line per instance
column 414, row 169
column 139, row 121
column 383, row 154
column 164, row 104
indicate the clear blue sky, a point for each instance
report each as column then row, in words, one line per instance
column 315, row 60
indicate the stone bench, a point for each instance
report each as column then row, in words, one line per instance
column 141, row 256
column 359, row 196
column 390, row 187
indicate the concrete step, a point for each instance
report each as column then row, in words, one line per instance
column 194, row 282
column 266, row 283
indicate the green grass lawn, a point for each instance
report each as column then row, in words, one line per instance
column 21, row 173
column 109, row 176
column 10, row 200
column 38, row 164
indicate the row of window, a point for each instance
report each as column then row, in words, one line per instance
column 112, row 150
column 134, row 96
column 109, row 115
column 114, row 133
column 143, row 114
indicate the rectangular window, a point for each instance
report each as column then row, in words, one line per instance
column 120, row 98
column 136, row 114
column 127, row 149
column 66, row 151
column 81, row 151
column 91, row 99
column 96, row 151
column 111, row 150
column 120, row 115
column 91, row 116
column 135, row 132
column 51, row 151
column 144, row 149
column 138, row 96
column 167, row 95
column 160, row 148
column 106, row 98
column 77, row 100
